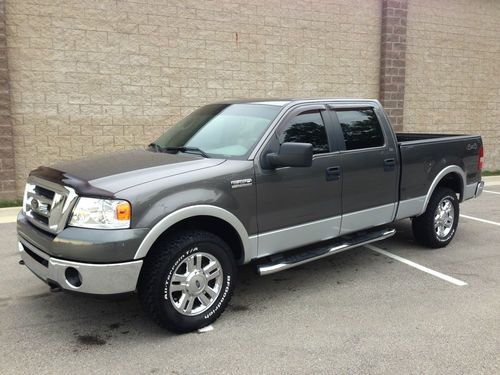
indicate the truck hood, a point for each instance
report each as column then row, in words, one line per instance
column 105, row 175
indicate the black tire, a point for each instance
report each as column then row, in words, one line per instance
column 158, row 270
column 424, row 228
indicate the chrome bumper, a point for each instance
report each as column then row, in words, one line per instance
column 473, row 190
column 479, row 189
column 88, row 278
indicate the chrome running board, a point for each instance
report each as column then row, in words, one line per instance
column 284, row 261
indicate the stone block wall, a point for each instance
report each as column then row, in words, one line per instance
column 453, row 70
column 83, row 77
column 7, row 171
column 103, row 75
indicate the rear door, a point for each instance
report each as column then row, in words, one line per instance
column 298, row 206
column 369, row 173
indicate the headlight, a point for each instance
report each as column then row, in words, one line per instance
column 101, row 214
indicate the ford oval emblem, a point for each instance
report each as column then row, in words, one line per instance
column 34, row 204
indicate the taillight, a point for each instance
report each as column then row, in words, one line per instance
column 480, row 162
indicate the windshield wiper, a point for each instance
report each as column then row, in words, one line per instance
column 194, row 150
column 156, row 147
column 186, row 149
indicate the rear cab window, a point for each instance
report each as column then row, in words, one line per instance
column 360, row 128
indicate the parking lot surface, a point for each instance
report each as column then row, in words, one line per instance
column 355, row 312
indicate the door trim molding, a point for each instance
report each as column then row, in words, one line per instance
column 279, row 240
column 287, row 238
column 368, row 218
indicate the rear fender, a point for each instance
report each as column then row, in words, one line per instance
column 439, row 177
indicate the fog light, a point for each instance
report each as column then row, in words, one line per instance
column 73, row 277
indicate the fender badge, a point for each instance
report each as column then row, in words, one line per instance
column 471, row 146
column 241, row 183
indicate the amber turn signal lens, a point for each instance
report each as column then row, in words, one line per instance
column 123, row 211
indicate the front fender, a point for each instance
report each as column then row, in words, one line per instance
column 249, row 243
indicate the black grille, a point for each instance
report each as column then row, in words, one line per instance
column 45, row 192
column 36, row 257
column 41, row 218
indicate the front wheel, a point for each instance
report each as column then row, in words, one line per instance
column 187, row 281
column 437, row 226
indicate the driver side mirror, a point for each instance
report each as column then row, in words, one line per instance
column 291, row 155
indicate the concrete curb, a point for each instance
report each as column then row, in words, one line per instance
column 9, row 208
column 9, row 214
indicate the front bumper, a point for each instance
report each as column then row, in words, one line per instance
column 113, row 278
column 82, row 244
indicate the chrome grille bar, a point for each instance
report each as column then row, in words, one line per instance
column 48, row 205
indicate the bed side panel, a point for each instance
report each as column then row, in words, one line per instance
column 422, row 161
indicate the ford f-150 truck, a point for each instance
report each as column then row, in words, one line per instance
column 274, row 182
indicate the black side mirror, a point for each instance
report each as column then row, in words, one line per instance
column 292, row 155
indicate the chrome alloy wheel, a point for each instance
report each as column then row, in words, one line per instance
column 444, row 218
column 196, row 283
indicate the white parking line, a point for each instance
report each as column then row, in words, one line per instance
column 417, row 266
column 491, row 192
column 481, row 220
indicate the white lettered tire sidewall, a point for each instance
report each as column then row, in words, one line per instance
column 217, row 307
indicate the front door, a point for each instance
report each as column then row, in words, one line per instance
column 299, row 206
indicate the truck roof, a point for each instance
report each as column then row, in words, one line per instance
column 281, row 102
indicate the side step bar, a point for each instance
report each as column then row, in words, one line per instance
column 284, row 261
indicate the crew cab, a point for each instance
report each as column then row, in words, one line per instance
column 275, row 182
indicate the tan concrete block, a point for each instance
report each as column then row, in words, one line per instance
column 95, row 130
column 59, row 140
column 101, row 120
column 102, row 140
column 112, row 130
column 57, row 120
column 70, row 130
column 81, row 141
column 133, row 130
column 126, row 140
column 132, row 110
column 112, row 110
column 78, row 99
column 68, row 109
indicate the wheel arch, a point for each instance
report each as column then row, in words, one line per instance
column 211, row 218
column 452, row 177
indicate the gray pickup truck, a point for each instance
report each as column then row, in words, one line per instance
column 274, row 182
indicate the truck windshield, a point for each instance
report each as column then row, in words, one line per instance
column 219, row 130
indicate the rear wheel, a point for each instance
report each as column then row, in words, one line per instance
column 436, row 227
column 187, row 280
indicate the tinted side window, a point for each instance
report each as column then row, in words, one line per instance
column 307, row 127
column 361, row 128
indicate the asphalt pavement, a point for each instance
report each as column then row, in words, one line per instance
column 364, row 311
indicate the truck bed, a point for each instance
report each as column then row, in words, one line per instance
column 424, row 155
